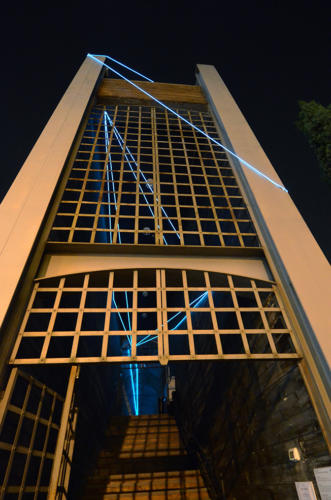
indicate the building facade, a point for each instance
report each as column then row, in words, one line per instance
column 136, row 250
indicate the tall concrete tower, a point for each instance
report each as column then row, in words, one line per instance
column 138, row 254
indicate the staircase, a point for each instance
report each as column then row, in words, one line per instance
column 143, row 458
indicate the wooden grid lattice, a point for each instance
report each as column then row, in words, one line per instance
column 30, row 416
column 153, row 314
column 142, row 176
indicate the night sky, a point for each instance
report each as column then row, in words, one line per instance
column 269, row 53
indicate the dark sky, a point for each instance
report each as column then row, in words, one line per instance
column 269, row 53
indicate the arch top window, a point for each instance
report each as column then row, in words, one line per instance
column 153, row 314
column 143, row 177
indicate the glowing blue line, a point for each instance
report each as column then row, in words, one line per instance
column 121, row 64
column 137, row 388
column 121, row 142
column 191, row 304
column 148, row 185
column 113, row 299
column 147, row 339
column 132, row 384
column 244, row 162
column 202, row 298
column 114, row 195
column 180, row 322
column 107, row 173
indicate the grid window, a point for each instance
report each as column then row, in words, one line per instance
column 142, row 176
column 153, row 314
column 29, row 427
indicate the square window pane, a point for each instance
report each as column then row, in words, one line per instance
column 70, row 299
column 89, row 346
column 258, row 343
column 65, row 322
column 177, row 320
column 93, row 321
column 227, row 320
column 37, row 322
column 275, row 319
column 146, row 299
column 147, row 345
column 146, row 321
column 232, row 344
column 44, row 300
column 283, row 343
column 96, row 299
column 118, row 345
column 205, row 344
column 120, row 321
column 252, row 320
column 178, row 345
column 246, row 299
column 222, row 299
column 201, row 320
column 175, row 299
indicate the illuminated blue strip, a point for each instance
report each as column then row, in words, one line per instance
column 146, row 339
column 191, row 304
column 109, row 210
column 121, row 142
column 134, row 393
column 244, row 162
column 112, row 176
column 121, row 64
column 201, row 299
column 137, row 388
column 195, row 301
column 107, row 173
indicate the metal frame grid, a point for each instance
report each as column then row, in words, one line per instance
column 30, row 415
column 153, row 314
column 142, row 176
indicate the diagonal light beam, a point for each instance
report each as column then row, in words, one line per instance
column 244, row 162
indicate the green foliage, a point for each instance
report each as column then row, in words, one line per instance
column 315, row 122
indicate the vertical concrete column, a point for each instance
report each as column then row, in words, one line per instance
column 301, row 266
column 24, row 207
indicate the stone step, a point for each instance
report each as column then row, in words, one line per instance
column 178, row 494
column 129, row 483
column 143, row 458
column 108, row 465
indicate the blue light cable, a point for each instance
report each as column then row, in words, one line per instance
column 198, row 300
column 129, row 354
column 202, row 298
column 244, row 162
column 121, row 142
column 124, row 66
column 114, row 195
column 195, row 303
column 107, row 173
column 149, row 187
column 134, row 393
column 112, row 176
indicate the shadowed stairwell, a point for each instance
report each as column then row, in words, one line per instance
column 143, row 458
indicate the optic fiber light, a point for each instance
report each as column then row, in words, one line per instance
column 244, row 162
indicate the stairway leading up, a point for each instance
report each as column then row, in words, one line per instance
column 143, row 458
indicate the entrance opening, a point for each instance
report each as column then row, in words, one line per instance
column 204, row 429
column 224, row 428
